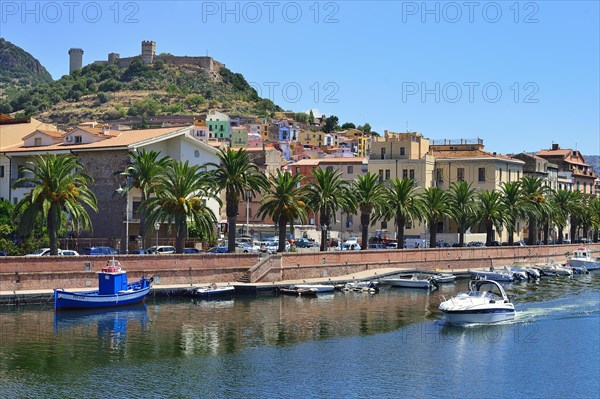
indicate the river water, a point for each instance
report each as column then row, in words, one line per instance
column 343, row 345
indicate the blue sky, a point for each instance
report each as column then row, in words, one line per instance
column 520, row 75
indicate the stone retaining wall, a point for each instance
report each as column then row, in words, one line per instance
column 30, row 273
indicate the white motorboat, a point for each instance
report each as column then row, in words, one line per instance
column 530, row 271
column 318, row 287
column 583, row 257
column 362, row 286
column 517, row 273
column 411, row 281
column 444, row 278
column 212, row 290
column 555, row 269
column 485, row 302
column 492, row 275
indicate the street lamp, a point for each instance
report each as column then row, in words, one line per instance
column 248, row 195
column 120, row 191
column 157, row 227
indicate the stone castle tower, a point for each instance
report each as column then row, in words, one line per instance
column 148, row 52
column 75, row 59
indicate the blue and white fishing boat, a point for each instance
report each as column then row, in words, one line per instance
column 113, row 290
column 583, row 257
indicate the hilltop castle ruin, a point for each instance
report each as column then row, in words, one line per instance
column 147, row 57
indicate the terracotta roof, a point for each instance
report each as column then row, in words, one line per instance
column 12, row 134
column 466, row 154
column 52, row 133
column 124, row 140
column 339, row 160
column 561, row 152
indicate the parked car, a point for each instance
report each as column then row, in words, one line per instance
column 519, row 244
column 138, row 252
column 376, row 246
column 392, row 245
column 43, row 252
column 348, row 247
column 2, row 253
column 191, row 251
column 69, row 252
column 161, row 250
column 99, row 251
column 442, row 244
column 495, row 244
column 305, row 243
column 476, row 244
column 217, row 250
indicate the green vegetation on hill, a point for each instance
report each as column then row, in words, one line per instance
column 18, row 70
column 107, row 92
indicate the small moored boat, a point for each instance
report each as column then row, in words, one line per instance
column 492, row 275
column 295, row 291
column 319, row 287
column 411, row 281
column 583, row 257
column 212, row 290
column 555, row 269
column 444, row 278
column 485, row 302
column 113, row 290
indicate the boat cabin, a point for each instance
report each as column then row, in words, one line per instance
column 112, row 279
column 582, row 253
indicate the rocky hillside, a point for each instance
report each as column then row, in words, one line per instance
column 19, row 69
column 108, row 92
column 594, row 162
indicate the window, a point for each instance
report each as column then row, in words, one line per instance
column 383, row 153
column 221, row 128
column 380, row 175
column 384, row 224
column 297, row 169
column 405, row 173
column 401, row 150
column 1, row 170
column 37, row 142
column 408, row 224
column 500, row 177
column 330, row 168
column 78, row 140
column 481, row 174
column 439, row 174
column 440, row 227
column 350, row 170
column 411, row 173
column 387, row 174
column 349, row 221
column 460, row 174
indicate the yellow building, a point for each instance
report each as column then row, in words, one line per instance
column 360, row 138
column 312, row 138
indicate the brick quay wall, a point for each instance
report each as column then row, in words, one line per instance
column 31, row 273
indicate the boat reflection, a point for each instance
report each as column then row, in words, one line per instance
column 110, row 324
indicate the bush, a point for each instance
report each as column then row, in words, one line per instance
column 103, row 97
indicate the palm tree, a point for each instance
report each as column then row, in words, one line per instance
column 576, row 212
column 327, row 194
column 401, row 205
column 284, row 201
column 462, row 207
column 59, row 187
column 513, row 206
column 562, row 203
column 534, row 194
column 142, row 172
column 434, row 205
column 238, row 176
column 595, row 215
column 490, row 213
column 368, row 194
column 181, row 194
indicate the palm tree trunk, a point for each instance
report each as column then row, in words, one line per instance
column 364, row 226
column 546, row 233
column 52, row 229
column 231, row 226
column 573, row 229
column 432, row 233
column 511, row 237
column 489, row 232
column 560, row 235
column 596, row 235
column 461, row 235
column 324, row 222
column 142, row 230
column 532, row 231
column 401, row 223
column 282, row 223
column 180, row 239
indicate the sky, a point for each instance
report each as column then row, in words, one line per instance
column 519, row 75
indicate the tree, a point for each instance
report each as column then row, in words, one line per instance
column 311, row 118
column 180, row 194
column 462, row 207
column 142, row 173
column 331, row 124
column 327, row 194
column 368, row 194
column 513, row 206
column 348, row 125
column 58, row 188
column 284, row 202
column 595, row 216
column 301, row 117
column 236, row 174
column 490, row 213
column 534, row 194
column 401, row 205
column 434, row 205
column 365, row 128
column 562, row 203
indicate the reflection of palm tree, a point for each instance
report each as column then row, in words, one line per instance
column 284, row 202
column 401, row 205
column 181, row 194
column 58, row 188
column 368, row 194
